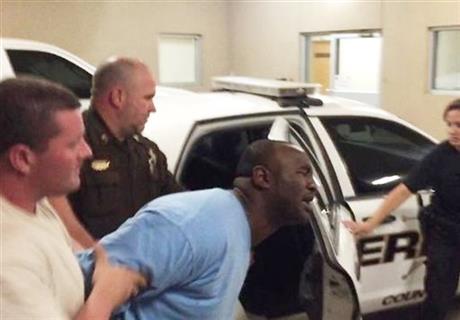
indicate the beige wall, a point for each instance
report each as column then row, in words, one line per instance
column 96, row 30
column 250, row 38
column 405, row 88
column 265, row 38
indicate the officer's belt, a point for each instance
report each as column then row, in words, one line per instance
column 430, row 216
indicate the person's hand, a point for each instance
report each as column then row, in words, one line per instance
column 114, row 284
column 357, row 228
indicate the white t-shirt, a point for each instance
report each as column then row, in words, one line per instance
column 39, row 275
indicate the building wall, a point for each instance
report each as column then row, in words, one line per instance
column 97, row 30
column 265, row 36
column 406, row 61
column 265, row 41
column 250, row 38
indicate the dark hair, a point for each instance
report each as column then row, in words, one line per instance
column 111, row 72
column 454, row 105
column 27, row 108
column 259, row 152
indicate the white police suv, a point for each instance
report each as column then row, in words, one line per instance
column 358, row 153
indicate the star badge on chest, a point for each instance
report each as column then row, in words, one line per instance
column 152, row 161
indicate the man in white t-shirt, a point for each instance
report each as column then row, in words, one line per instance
column 41, row 151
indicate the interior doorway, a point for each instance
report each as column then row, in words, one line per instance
column 320, row 63
column 346, row 64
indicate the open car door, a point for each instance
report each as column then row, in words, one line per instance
column 329, row 282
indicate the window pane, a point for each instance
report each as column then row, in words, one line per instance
column 177, row 59
column 358, row 65
column 447, row 60
column 378, row 153
column 52, row 67
column 213, row 158
column 346, row 64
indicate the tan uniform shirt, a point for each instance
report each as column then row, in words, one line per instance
column 39, row 275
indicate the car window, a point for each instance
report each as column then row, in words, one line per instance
column 214, row 156
column 377, row 152
column 51, row 67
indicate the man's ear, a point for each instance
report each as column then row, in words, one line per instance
column 261, row 177
column 117, row 97
column 21, row 158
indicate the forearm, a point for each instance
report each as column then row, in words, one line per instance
column 96, row 307
column 80, row 235
column 394, row 199
column 73, row 226
column 113, row 285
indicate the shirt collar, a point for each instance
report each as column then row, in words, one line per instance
column 102, row 131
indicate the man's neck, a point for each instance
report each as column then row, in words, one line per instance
column 260, row 227
column 19, row 195
column 111, row 122
column 455, row 147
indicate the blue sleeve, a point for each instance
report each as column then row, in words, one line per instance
column 86, row 261
column 153, row 245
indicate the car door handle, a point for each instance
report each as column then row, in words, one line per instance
column 388, row 219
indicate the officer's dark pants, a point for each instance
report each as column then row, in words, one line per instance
column 442, row 275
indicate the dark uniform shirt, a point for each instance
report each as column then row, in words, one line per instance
column 119, row 179
column 439, row 170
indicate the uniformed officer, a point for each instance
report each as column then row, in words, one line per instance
column 127, row 170
column 439, row 170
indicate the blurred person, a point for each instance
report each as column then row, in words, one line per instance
column 440, row 171
column 127, row 170
column 41, row 152
column 195, row 247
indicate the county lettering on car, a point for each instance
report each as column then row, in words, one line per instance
column 386, row 248
column 403, row 297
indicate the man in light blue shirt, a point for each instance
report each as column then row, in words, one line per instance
column 195, row 247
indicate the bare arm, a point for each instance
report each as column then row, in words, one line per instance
column 112, row 286
column 394, row 199
column 73, row 226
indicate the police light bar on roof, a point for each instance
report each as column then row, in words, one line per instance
column 266, row 87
